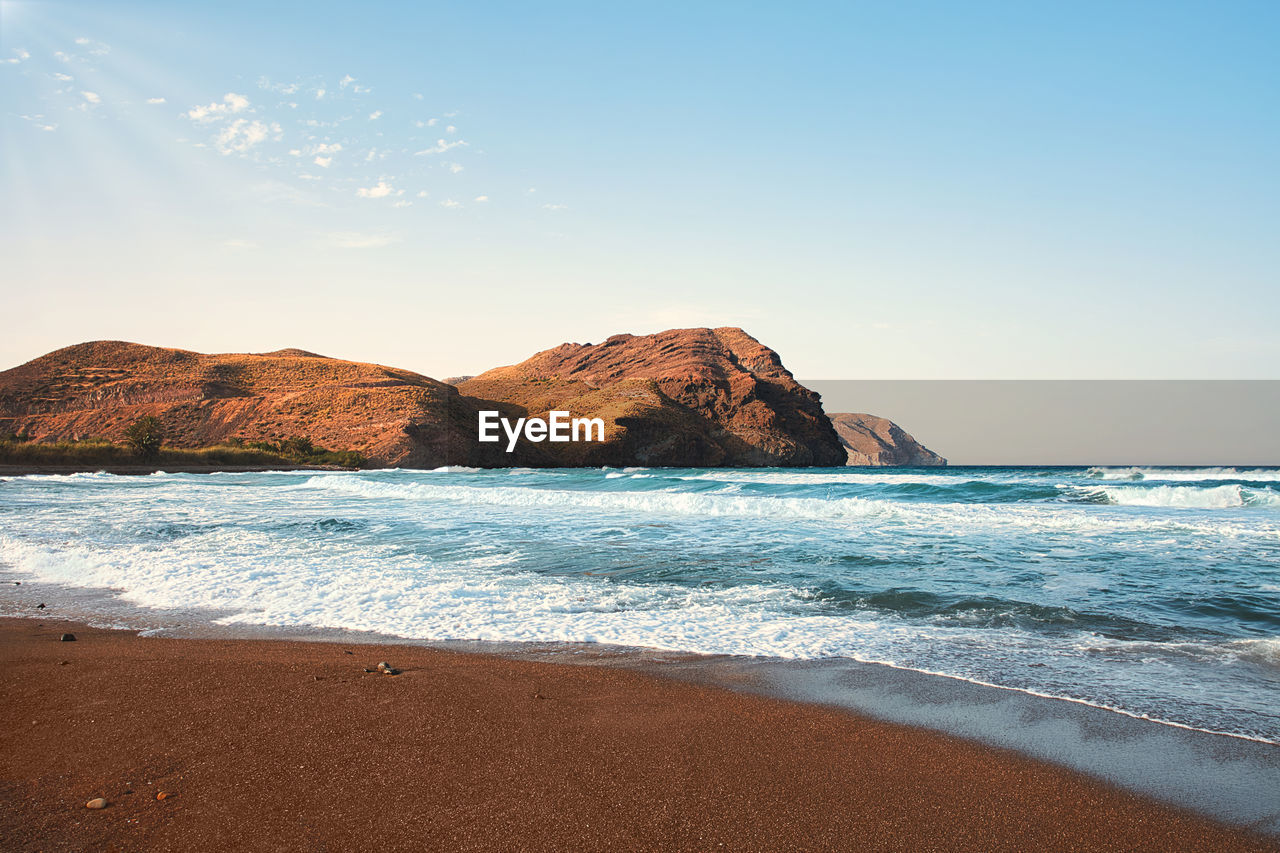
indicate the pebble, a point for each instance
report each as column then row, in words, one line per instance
column 163, row 795
column 68, row 638
column 96, row 803
column 388, row 669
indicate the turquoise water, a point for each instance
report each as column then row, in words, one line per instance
column 1154, row 592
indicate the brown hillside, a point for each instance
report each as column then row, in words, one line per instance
column 701, row 397
column 873, row 440
column 393, row 417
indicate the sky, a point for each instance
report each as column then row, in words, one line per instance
column 906, row 190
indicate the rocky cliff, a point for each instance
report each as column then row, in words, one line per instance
column 872, row 440
column 95, row 390
column 701, row 397
column 696, row 397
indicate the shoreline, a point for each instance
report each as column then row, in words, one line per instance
column 480, row 751
column 1219, row 776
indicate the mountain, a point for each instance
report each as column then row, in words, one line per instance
column 684, row 397
column 703, row 397
column 872, row 440
column 391, row 416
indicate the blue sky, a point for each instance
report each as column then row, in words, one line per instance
column 887, row 190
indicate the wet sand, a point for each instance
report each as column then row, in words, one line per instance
column 265, row 744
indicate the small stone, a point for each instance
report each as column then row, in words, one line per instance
column 68, row 638
column 163, row 795
column 40, row 606
column 96, row 803
column 387, row 669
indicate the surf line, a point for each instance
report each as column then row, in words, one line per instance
column 558, row 426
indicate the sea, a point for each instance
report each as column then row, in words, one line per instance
column 1149, row 592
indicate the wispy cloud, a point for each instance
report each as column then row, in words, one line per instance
column 482, row 198
column 448, row 202
column 381, row 190
column 242, row 134
column 155, row 100
column 231, row 104
column 92, row 97
column 375, row 115
column 95, row 48
column 441, row 146
column 455, row 167
column 18, row 56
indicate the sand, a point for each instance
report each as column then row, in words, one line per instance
column 264, row 744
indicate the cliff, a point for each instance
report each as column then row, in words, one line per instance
column 872, row 440
column 95, row 390
column 684, row 397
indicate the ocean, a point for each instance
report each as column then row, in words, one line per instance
column 1153, row 592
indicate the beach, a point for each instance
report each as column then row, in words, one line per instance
column 293, row 745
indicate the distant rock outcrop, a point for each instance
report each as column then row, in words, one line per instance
column 95, row 390
column 872, row 440
column 685, row 397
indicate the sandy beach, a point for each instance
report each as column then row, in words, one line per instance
column 291, row 745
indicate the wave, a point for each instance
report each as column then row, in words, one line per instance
column 1249, row 475
column 955, row 517
column 1187, row 497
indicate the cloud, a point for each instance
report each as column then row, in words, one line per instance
column 450, row 129
column 96, row 48
column 554, row 206
column 448, row 202
column 375, row 115
column 155, row 100
column 346, row 81
column 417, row 96
column 441, row 146
column 239, row 244
column 382, row 190
column 326, row 148
column 231, row 104
column 65, row 78
column 323, row 162
column 92, row 97
column 455, row 167
column 482, row 198
column 356, row 240
column 403, row 203
column 423, row 193
column 18, row 56
column 242, row 134
column 319, row 93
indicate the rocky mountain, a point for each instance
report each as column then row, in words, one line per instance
column 872, row 440
column 95, row 390
column 695, row 397
column 701, row 397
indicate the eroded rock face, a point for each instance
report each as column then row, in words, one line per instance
column 872, row 440
column 684, row 397
column 95, row 390
column 697, row 397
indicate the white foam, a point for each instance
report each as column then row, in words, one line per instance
column 1189, row 497
column 1253, row 475
column 729, row 502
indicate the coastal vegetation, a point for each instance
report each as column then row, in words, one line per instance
column 143, row 445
